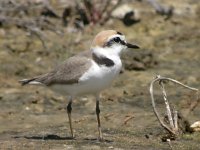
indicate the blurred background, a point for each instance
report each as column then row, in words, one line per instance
column 37, row 35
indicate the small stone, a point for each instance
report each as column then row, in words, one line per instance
column 68, row 146
column 126, row 14
column 27, row 108
column 110, row 147
column 195, row 126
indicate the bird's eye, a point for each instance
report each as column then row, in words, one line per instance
column 117, row 39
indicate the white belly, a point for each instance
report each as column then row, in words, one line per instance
column 96, row 79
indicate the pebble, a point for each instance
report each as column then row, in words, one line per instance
column 195, row 126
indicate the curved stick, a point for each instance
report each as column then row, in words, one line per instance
column 160, row 79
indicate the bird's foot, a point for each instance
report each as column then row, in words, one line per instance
column 100, row 138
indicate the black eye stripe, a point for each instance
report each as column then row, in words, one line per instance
column 117, row 39
column 114, row 40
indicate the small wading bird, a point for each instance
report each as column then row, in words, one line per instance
column 88, row 72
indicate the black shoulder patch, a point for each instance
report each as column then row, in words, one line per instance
column 103, row 60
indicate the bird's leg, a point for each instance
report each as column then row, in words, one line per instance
column 98, row 118
column 69, row 110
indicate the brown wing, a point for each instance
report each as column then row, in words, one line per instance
column 71, row 70
column 67, row 73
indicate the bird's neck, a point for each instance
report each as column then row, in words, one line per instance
column 102, row 60
column 107, row 52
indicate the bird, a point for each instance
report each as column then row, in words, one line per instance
column 88, row 72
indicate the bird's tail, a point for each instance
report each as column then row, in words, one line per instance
column 27, row 81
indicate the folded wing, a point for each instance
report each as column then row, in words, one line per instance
column 68, row 72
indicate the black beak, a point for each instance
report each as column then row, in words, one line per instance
column 131, row 45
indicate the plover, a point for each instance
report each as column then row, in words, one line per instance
column 88, row 72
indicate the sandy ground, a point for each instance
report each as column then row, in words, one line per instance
column 35, row 118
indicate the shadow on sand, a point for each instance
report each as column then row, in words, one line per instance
column 56, row 137
column 46, row 137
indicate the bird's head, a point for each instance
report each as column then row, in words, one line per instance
column 110, row 42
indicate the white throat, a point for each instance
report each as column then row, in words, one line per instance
column 109, row 52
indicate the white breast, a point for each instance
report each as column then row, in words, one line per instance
column 98, row 77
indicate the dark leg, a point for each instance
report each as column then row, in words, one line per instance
column 69, row 110
column 98, row 118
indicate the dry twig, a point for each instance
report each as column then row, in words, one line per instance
column 127, row 119
column 107, row 14
column 107, row 116
column 173, row 121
